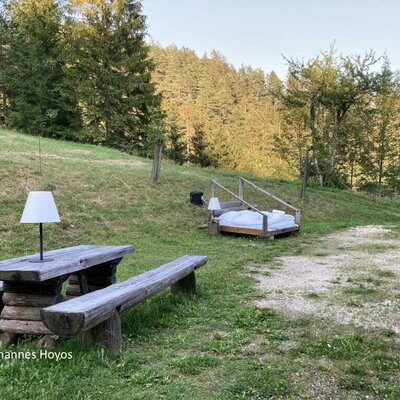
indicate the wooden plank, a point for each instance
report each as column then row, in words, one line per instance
column 21, row 313
column 30, row 288
column 67, row 262
column 72, row 317
column 28, row 327
column 257, row 232
column 242, row 231
column 51, row 253
column 24, row 299
column 230, row 204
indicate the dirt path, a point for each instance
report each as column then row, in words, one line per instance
column 351, row 277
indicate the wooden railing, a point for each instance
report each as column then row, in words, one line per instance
column 242, row 181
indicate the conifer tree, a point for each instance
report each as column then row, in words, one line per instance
column 109, row 70
column 200, row 156
column 34, row 75
column 176, row 148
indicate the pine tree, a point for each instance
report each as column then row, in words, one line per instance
column 34, row 75
column 176, row 150
column 109, row 70
column 200, row 156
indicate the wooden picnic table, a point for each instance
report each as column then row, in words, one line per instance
column 30, row 286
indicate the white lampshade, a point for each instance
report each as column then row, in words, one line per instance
column 40, row 208
column 214, row 204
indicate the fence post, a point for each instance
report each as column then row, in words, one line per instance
column 156, row 173
column 212, row 188
column 241, row 187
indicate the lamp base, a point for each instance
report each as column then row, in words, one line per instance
column 38, row 261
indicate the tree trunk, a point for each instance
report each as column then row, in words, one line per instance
column 319, row 174
column 107, row 116
column 335, row 138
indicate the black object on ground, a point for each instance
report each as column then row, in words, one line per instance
column 196, row 197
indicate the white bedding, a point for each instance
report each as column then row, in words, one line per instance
column 250, row 219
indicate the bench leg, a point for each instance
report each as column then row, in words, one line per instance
column 185, row 285
column 107, row 334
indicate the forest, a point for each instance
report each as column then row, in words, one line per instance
column 84, row 71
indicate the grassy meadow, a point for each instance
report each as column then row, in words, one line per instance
column 215, row 345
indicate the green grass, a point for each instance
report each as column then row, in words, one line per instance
column 215, row 345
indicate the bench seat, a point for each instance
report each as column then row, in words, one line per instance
column 75, row 316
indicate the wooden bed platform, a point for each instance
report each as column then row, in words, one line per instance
column 240, row 204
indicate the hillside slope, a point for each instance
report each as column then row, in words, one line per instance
column 174, row 348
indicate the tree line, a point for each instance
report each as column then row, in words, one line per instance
column 78, row 70
column 82, row 70
column 344, row 109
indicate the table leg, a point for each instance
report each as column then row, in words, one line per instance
column 97, row 277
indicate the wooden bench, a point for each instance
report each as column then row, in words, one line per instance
column 96, row 314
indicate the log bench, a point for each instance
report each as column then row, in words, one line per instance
column 95, row 315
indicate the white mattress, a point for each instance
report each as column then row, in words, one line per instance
column 277, row 219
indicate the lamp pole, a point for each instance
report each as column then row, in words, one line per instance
column 41, row 240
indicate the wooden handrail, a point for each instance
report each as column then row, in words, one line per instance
column 269, row 194
column 213, row 182
column 296, row 210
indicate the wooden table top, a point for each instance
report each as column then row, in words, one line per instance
column 64, row 261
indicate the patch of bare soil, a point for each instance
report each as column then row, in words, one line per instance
column 351, row 278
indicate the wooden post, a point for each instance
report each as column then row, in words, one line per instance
column 212, row 188
column 83, row 286
column 156, row 173
column 185, row 285
column 106, row 334
column 213, row 226
column 265, row 225
column 305, row 174
column 297, row 218
column 241, row 187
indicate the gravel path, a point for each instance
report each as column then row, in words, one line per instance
column 350, row 278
